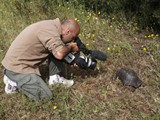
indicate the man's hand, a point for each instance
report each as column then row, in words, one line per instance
column 74, row 47
column 71, row 47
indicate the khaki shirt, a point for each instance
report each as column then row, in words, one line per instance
column 32, row 46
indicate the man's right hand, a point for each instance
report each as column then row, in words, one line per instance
column 71, row 47
column 74, row 47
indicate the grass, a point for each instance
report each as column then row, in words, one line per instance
column 95, row 95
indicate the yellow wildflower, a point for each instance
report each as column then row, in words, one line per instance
column 82, row 34
column 96, row 18
column 99, row 12
column 108, row 48
column 93, row 35
column 157, row 35
column 152, row 35
column 120, row 24
column 144, row 49
column 87, row 44
column 54, row 107
column 103, row 22
column 135, row 38
column 77, row 19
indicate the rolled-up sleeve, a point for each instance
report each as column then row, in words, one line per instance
column 51, row 40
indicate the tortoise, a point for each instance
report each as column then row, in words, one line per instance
column 128, row 77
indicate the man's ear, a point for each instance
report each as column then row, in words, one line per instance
column 67, row 31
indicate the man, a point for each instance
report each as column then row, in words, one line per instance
column 48, row 39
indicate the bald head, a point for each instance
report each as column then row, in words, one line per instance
column 73, row 25
column 70, row 27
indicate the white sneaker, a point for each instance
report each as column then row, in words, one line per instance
column 10, row 86
column 56, row 79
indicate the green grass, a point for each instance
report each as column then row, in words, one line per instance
column 95, row 96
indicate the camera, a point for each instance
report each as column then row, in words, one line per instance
column 83, row 61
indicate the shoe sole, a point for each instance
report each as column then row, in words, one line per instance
column 7, row 91
column 5, row 79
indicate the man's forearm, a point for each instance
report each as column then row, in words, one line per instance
column 63, row 52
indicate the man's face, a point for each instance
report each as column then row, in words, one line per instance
column 68, row 37
column 68, row 34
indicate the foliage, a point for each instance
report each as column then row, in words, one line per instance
column 145, row 12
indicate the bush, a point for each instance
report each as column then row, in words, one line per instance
column 145, row 12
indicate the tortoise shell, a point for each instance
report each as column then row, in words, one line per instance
column 128, row 77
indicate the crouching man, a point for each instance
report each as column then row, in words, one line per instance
column 48, row 39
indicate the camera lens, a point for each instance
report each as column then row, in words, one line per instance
column 93, row 65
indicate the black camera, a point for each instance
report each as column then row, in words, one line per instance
column 83, row 61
